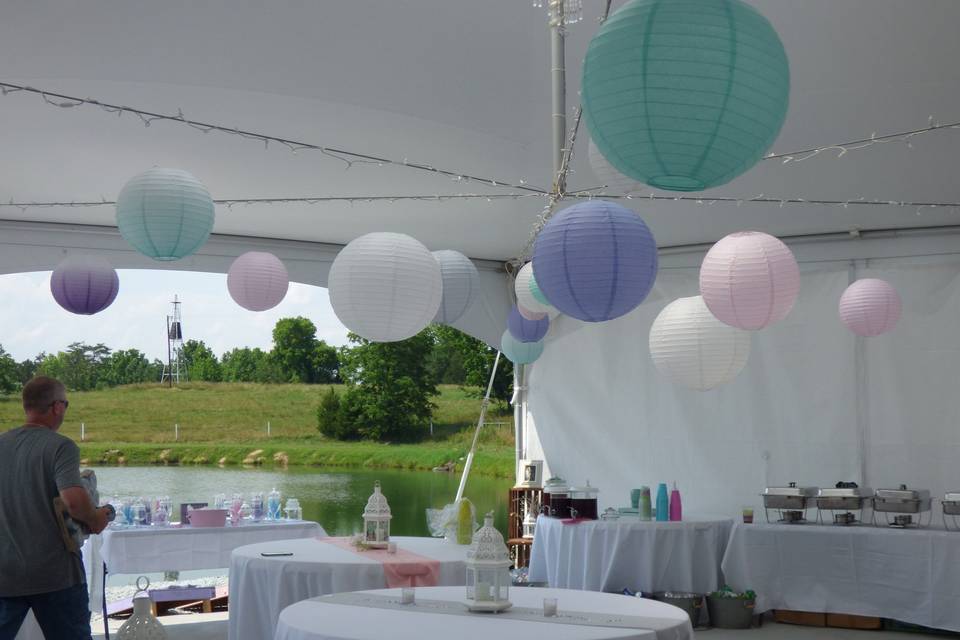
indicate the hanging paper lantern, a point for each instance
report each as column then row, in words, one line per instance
column 595, row 261
column 685, row 95
column 530, row 315
column 385, row 286
column 870, row 307
column 537, row 292
column 749, row 280
column 524, row 291
column 257, row 281
column 461, row 282
column 524, row 330
column 612, row 180
column 519, row 352
column 694, row 349
column 165, row 214
column 84, row 285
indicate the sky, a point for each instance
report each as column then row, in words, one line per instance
column 32, row 322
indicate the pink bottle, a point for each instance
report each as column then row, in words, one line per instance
column 676, row 510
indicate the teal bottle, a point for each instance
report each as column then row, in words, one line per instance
column 663, row 503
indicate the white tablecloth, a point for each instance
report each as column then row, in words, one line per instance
column 261, row 587
column 316, row 620
column 909, row 575
column 608, row 555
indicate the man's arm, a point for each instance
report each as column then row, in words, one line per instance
column 82, row 509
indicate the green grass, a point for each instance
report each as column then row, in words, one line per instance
column 135, row 425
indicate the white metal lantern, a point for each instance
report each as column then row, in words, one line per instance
column 488, row 570
column 142, row 625
column 529, row 524
column 376, row 520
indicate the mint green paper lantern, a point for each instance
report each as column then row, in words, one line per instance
column 165, row 214
column 536, row 292
column 685, row 95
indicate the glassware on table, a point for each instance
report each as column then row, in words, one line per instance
column 220, row 501
column 408, row 595
column 549, row 607
column 139, row 513
column 273, row 505
column 236, row 510
column 293, row 509
column 161, row 512
column 748, row 515
column 256, row 504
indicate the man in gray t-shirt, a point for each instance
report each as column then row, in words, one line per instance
column 37, row 571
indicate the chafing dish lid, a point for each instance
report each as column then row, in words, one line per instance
column 903, row 493
column 845, row 490
column 951, row 496
column 791, row 490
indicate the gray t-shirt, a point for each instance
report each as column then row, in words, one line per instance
column 35, row 463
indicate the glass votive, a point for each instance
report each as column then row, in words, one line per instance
column 549, row 607
column 391, row 547
column 748, row 515
column 407, row 595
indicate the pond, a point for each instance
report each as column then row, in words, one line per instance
column 333, row 497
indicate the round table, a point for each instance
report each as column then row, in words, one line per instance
column 320, row 619
column 260, row 587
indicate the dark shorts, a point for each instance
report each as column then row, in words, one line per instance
column 63, row 615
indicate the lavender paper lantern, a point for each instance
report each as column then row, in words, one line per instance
column 870, row 307
column 461, row 283
column 749, row 280
column 520, row 352
column 524, row 330
column 84, row 285
column 595, row 261
column 257, row 281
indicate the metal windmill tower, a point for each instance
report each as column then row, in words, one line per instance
column 175, row 370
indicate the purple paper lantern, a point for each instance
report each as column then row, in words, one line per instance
column 257, row 281
column 524, row 330
column 595, row 261
column 84, row 285
column 870, row 307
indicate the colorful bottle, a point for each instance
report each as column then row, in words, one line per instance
column 646, row 509
column 663, row 503
column 676, row 510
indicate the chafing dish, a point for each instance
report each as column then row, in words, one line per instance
column 788, row 501
column 845, row 497
column 951, row 507
column 904, row 503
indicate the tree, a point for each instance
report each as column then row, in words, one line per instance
column 28, row 368
column 9, row 380
column 80, row 367
column 477, row 361
column 201, row 362
column 300, row 356
column 389, row 388
column 446, row 359
column 128, row 366
column 250, row 365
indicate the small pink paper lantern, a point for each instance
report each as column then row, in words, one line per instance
column 530, row 315
column 749, row 280
column 257, row 281
column 870, row 307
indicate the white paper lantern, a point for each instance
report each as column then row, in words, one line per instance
column 461, row 283
column 612, row 180
column 385, row 286
column 257, row 281
column 525, row 296
column 694, row 349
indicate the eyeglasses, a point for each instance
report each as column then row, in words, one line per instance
column 66, row 403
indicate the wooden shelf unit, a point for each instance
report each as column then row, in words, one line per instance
column 520, row 497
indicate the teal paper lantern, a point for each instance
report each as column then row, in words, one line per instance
column 165, row 214
column 536, row 292
column 685, row 95
column 520, row 352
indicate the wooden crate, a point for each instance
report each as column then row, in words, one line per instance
column 520, row 497
column 805, row 618
column 848, row 621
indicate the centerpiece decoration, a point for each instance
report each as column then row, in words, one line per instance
column 488, row 570
column 376, row 520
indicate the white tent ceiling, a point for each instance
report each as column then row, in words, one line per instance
column 461, row 85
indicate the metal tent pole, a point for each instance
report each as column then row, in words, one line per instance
column 476, row 434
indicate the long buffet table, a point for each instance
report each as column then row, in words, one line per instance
column 909, row 575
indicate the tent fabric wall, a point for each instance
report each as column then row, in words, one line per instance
column 815, row 404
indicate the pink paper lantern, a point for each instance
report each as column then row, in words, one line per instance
column 530, row 315
column 257, row 281
column 749, row 280
column 870, row 307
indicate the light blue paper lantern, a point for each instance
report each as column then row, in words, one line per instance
column 519, row 352
column 536, row 292
column 165, row 214
column 595, row 261
column 685, row 95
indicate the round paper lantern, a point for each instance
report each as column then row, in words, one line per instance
column 461, row 283
column 84, row 285
column 165, row 214
column 609, row 177
column 385, row 286
column 685, row 95
column 595, row 261
column 524, row 330
column 524, row 291
column 694, row 349
column 537, row 292
column 519, row 352
column 257, row 281
column 530, row 315
column 749, row 280
column 870, row 307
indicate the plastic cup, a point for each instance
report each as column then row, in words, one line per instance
column 549, row 607
column 407, row 595
column 748, row 515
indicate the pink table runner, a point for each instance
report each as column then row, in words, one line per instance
column 401, row 569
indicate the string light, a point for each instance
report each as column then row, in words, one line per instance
column 348, row 157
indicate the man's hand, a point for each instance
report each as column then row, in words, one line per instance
column 81, row 509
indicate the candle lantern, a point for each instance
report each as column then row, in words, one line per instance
column 529, row 524
column 488, row 570
column 376, row 520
